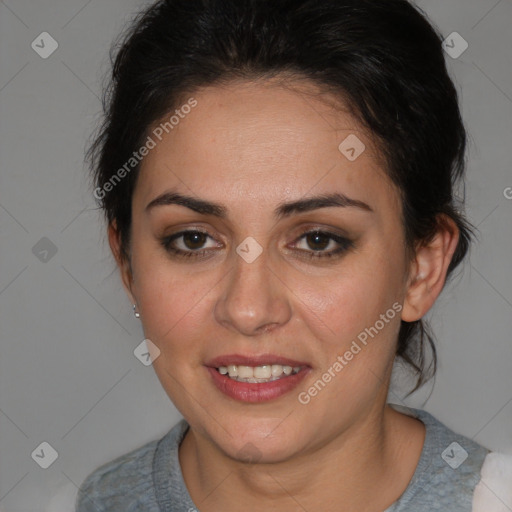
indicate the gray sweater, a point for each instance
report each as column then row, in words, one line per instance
column 149, row 478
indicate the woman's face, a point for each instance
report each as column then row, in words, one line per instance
column 252, row 286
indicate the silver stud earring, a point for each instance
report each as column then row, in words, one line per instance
column 136, row 314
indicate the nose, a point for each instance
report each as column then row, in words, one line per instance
column 254, row 299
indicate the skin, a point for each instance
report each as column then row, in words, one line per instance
column 251, row 146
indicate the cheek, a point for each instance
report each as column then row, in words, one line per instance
column 355, row 331
column 169, row 305
column 343, row 305
column 173, row 305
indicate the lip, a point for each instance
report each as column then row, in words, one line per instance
column 255, row 360
column 259, row 391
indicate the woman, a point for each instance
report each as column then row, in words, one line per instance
column 278, row 178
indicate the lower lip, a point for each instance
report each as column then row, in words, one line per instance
column 259, row 391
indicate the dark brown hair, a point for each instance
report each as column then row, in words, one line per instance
column 384, row 56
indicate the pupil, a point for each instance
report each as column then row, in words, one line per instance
column 317, row 239
column 196, row 240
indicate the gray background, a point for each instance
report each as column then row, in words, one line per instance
column 68, row 375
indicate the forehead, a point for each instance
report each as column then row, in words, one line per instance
column 262, row 141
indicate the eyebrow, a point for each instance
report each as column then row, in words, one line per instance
column 283, row 210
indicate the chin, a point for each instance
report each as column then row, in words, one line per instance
column 258, row 440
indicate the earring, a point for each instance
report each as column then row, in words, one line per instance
column 136, row 314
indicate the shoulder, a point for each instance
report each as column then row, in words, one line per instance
column 448, row 470
column 455, row 462
column 118, row 483
column 457, row 474
column 125, row 483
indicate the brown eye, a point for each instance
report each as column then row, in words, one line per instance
column 322, row 244
column 194, row 239
column 190, row 244
column 317, row 241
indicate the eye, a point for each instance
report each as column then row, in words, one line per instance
column 316, row 244
column 189, row 243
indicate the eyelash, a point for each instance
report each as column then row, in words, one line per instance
column 344, row 245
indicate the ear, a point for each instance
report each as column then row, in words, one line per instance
column 122, row 259
column 428, row 270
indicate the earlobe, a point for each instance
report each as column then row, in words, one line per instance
column 122, row 261
column 429, row 269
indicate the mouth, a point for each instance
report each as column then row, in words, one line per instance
column 258, row 374
column 257, row 378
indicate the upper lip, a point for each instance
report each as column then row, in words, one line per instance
column 254, row 360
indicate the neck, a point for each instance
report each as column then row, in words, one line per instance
column 365, row 467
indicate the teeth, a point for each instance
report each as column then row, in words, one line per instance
column 277, row 369
column 263, row 372
column 245, row 372
column 256, row 374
